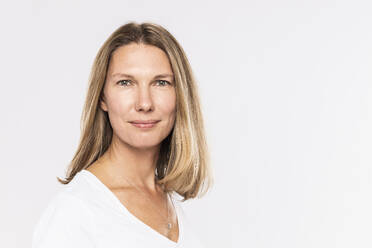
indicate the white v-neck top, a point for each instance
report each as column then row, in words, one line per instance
column 85, row 213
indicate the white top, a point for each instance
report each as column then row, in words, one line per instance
column 86, row 213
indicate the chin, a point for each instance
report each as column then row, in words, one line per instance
column 145, row 145
column 144, row 140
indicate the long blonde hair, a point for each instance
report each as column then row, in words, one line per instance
column 183, row 163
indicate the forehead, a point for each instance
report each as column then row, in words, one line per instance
column 139, row 58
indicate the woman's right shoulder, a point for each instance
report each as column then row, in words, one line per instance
column 63, row 201
column 61, row 221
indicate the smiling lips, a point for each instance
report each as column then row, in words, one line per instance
column 144, row 123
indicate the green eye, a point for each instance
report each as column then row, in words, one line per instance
column 120, row 82
column 163, row 82
column 125, row 82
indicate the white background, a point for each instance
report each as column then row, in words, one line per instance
column 286, row 88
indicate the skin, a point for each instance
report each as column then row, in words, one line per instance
column 133, row 151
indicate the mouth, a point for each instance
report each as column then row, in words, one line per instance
column 144, row 124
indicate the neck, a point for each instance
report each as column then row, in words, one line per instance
column 124, row 162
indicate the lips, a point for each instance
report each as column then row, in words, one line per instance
column 144, row 121
column 144, row 124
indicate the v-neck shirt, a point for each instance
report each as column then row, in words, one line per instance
column 86, row 213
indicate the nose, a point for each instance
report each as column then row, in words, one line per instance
column 144, row 99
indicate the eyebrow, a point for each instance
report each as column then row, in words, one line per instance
column 164, row 75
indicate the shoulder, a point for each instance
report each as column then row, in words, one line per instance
column 64, row 203
column 68, row 202
column 62, row 223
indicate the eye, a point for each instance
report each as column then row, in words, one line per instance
column 163, row 82
column 124, row 82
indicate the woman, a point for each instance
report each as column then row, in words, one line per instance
column 142, row 146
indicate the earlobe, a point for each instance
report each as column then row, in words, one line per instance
column 103, row 105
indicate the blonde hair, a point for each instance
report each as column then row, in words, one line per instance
column 183, row 163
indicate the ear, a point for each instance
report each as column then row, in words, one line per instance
column 103, row 104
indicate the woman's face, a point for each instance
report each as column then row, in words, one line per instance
column 139, row 87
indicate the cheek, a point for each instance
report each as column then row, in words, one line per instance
column 168, row 104
column 118, row 106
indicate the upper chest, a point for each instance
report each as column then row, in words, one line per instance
column 150, row 211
